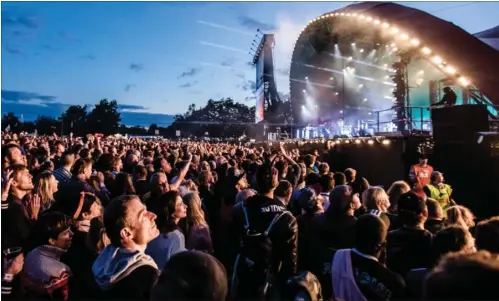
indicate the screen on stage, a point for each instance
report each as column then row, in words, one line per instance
column 260, row 104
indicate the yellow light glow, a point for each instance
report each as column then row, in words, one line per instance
column 370, row 142
column 395, row 30
column 450, row 70
column 342, row 14
column 362, row 16
column 404, row 36
column 377, row 22
column 349, row 15
column 357, row 141
column 437, row 60
column 463, row 81
column 369, row 19
column 415, row 42
column 426, row 50
column 385, row 142
column 355, row 15
column 386, row 25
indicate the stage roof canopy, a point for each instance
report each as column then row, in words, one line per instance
column 473, row 60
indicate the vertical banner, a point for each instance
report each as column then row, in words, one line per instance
column 260, row 104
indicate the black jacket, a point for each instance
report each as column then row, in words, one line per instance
column 284, row 234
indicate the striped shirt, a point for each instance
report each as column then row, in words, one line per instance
column 62, row 175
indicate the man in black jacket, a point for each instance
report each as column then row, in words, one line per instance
column 123, row 270
column 253, row 218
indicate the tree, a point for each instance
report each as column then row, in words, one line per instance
column 74, row 120
column 104, row 118
column 223, row 118
column 152, row 129
column 10, row 120
column 47, row 125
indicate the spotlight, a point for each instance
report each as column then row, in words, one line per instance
column 395, row 30
column 341, row 112
column 362, row 50
column 331, row 78
column 353, row 44
column 415, row 42
column 336, row 93
column 369, row 19
column 450, row 70
column 361, row 85
column 357, row 141
column 385, row 142
column 350, row 58
column 463, row 81
column 365, row 99
column 426, row 50
column 304, row 91
column 385, row 65
column 393, row 44
column 306, row 77
column 386, row 25
column 353, row 70
column 347, row 141
column 437, row 60
column 370, row 142
column 377, row 22
column 302, row 106
column 369, row 113
column 395, row 49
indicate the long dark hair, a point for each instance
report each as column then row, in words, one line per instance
column 164, row 207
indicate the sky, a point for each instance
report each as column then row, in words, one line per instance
column 156, row 58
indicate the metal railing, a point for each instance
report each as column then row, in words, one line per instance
column 419, row 122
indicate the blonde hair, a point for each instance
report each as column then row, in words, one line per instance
column 375, row 198
column 460, row 215
column 397, row 189
column 44, row 189
column 195, row 215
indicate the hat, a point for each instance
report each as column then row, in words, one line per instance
column 411, row 203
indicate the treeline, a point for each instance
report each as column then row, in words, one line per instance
column 222, row 118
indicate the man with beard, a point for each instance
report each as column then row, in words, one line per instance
column 123, row 270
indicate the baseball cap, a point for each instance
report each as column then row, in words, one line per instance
column 307, row 198
column 411, row 203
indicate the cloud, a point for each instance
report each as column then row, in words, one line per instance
column 188, row 85
column 254, row 24
column 136, row 67
column 88, row 57
column 251, row 64
column 249, row 85
column 249, row 98
column 228, row 62
column 17, row 96
column 129, row 87
column 14, row 51
column 240, row 75
column 191, row 72
column 131, row 107
column 19, row 19
column 67, row 36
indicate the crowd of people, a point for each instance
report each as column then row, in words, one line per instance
column 117, row 218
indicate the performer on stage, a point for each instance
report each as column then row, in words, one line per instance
column 449, row 99
column 420, row 173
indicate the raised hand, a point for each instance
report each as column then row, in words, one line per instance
column 6, row 183
column 34, row 206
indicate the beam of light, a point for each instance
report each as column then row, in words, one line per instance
column 225, row 28
column 362, row 62
column 223, row 47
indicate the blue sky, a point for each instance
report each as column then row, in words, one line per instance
column 156, row 58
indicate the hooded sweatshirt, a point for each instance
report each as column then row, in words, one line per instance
column 124, row 274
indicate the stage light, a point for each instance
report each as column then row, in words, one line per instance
column 387, row 76
column 331, row 78
column 357, row 141
column 355, row 15
column 362, row 50
column 450, row 70
column 362, row 16
column 353, row 44
column 316, row 106
column 336, row 14
column 415, row 42
column 350, row 58
column 395, row 30
column 369, row 19
column 302, row 106
column 306, row 77
column 426, row 50
column 342, row 14
column 393, row 44
column 385, row 65
column 395, row 49
column 385, row 142
column 370, row 142
column 419, row 81
column 437, row 60
column 365, row 99
column 361, row 85
column 347, row 141
column 349, row 14
column 463, row 81
column 336, row 93
column 377, row 22
column 369, row 113
column 341, row 112
column 386, row 25
column 304, row 91
column 404, row 36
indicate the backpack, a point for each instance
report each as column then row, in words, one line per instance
column 253, row 265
